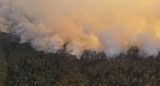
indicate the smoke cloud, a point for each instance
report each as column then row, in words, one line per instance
column 101, row 25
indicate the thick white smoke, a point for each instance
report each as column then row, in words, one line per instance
column 102, row 25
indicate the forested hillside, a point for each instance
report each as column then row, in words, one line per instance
column 21, row 65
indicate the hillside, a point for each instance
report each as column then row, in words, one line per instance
column 21, row 65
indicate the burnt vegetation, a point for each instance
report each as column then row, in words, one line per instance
column 21, row 65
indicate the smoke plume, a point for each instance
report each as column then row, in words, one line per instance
column 101, row 25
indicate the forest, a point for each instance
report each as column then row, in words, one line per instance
column 21, row 65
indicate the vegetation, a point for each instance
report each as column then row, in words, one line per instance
column 20, row 65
